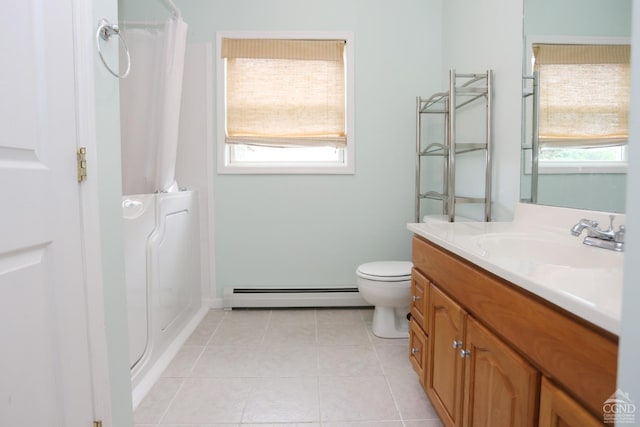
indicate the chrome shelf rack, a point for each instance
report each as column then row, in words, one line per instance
column 464, row 90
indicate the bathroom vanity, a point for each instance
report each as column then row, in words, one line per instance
column 513, row 323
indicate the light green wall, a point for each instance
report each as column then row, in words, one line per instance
column 110, row 192
column 311, row 231
column 602, row 192
column 578, row 17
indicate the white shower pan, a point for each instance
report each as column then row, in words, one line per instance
column 162, row 270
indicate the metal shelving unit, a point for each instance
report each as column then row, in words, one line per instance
column 464, row 90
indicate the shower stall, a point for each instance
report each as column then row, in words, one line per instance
column 161, row 220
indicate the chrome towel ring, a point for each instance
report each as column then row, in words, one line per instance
column 104, row 32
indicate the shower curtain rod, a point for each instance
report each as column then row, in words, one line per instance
column 142, row 23
column 173, row 8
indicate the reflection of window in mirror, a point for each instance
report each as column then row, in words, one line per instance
column 583, row 104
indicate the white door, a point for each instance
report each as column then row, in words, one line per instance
column 45, row 377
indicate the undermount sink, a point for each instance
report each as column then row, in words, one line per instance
column 544, row 250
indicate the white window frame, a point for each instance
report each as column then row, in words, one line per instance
column 347, row 164
column 592, row 167
column 563, row 168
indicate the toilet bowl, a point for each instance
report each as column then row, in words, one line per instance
column 387, row 286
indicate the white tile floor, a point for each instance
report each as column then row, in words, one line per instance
column 288, row 368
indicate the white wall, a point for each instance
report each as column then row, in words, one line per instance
column 487, row 34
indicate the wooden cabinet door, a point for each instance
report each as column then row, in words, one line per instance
column 417, row 349
column 419, row 298
column 444, row 364
column 557, row 409
column 500, row 387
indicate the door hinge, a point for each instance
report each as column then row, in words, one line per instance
column 97, row 424
column 82, row 164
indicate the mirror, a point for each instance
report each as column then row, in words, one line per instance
column 572, row 178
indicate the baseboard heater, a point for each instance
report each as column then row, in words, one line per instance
column 292, row 298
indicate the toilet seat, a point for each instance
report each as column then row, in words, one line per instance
column 385, row 271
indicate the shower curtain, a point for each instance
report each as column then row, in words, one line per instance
column 150, row 106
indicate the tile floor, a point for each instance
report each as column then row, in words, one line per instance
column 288, row 368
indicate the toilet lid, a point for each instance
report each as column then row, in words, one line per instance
column 386, row 270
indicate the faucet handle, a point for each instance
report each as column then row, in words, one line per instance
column 611, row 219
column 619, row 235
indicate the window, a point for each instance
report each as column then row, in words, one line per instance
column 584, row 92
column 285, row 103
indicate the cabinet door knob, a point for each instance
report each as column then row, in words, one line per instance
column 415, row 298
column 464, row 353
column 457, row 344
column 415, row 350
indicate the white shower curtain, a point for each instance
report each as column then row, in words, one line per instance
column 150, row 106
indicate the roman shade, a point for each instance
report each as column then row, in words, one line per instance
column 584, row 94
column 285, row 92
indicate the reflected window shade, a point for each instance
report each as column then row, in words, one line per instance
column 318, row 50
column 285, row 101
column 584, row 95
column 582, row 53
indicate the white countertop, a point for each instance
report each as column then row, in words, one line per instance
column 537, row 253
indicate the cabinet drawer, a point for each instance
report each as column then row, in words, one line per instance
column 419, row 299
column 417, row 349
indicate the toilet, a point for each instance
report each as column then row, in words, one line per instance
column 387, row 286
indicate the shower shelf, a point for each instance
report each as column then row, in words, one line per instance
column 434, row 195
column 464, row 90
column 437, row 149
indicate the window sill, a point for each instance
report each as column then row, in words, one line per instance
column 280, row 169
column 576, row 168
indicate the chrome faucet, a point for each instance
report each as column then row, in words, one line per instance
column 606, row 239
